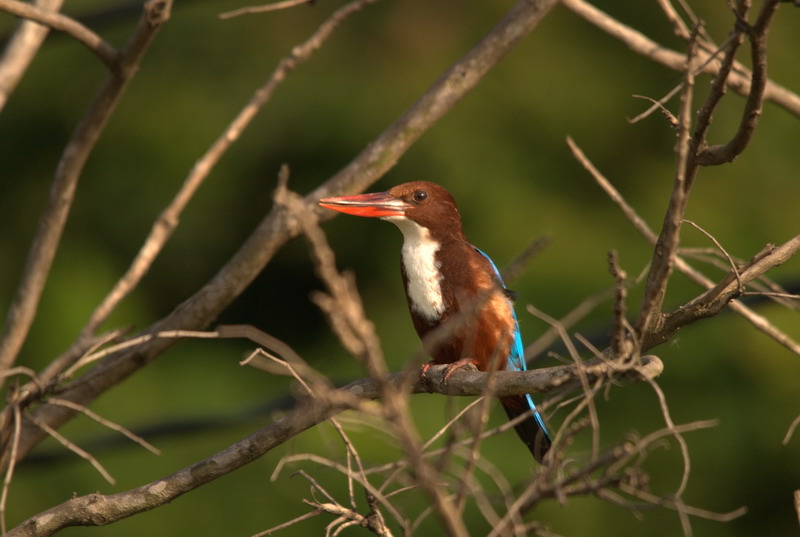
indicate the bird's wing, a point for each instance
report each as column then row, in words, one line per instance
column 516, row 362
column 516, row 356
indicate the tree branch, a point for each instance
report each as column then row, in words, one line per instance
column 720, row 154
column 643, row 45
column 666, row 246
column 55, row 20
column 696, row 276
column 21, row 49
column 51, row 225
column 716, row 298
column 99, row 509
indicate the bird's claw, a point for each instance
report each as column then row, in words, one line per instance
column 423, row 375
column 448, row 371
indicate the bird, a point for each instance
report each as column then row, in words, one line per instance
column 444, row 275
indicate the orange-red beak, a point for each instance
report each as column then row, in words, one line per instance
column 379, row 204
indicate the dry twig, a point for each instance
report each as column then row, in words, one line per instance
column 21, row 48
column 285, row 4
column 51, row 225
column 68, row 25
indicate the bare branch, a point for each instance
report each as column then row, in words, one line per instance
column 713, row 300
column 643, row 45
column 720, row 154
column 285, row 4
column 97, row 509
column 21, row 49
column 666, row 246
column 68, row 25
column 641, row 226
column 17, row 417
column 791, row 430
column 343, row 304
column 107, row 423
column 51, row 225
column 74, row 448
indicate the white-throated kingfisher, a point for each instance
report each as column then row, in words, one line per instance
column 445, row 275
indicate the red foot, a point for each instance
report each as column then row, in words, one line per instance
column 451, row 367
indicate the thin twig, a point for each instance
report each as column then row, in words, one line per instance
column 713, row 239
column 285, row 4
column 74, row 448
column 287, row 524
column 687, row 463
column 9, row 475
column 106, row 423
column 791, row 430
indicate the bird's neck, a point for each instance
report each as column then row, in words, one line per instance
column 421, row 269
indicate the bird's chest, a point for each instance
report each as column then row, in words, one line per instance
column 423, row 279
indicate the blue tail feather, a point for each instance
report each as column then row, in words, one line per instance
column 533, row 431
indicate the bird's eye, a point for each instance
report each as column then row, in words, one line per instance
column 420, row 196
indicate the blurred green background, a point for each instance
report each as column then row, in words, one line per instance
column 502, row 154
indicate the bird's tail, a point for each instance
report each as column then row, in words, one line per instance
column 531, row 430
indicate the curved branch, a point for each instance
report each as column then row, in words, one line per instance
column 99, row 509
column 720, row 154
column 20, row 50
column 55, row 20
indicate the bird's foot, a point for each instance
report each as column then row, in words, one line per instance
column 448, row 370
column 423, row 374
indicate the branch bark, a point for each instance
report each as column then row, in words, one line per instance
column 21, row 49
column 99, row 509
column 68, row 25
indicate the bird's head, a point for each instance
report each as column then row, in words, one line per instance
column 426, row 204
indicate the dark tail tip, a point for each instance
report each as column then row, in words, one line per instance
column 530, row 430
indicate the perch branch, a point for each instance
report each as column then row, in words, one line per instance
column 100, row 509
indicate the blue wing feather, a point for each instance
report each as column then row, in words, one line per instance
column 516, row 356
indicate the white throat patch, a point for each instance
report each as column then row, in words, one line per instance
column 421, row 267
